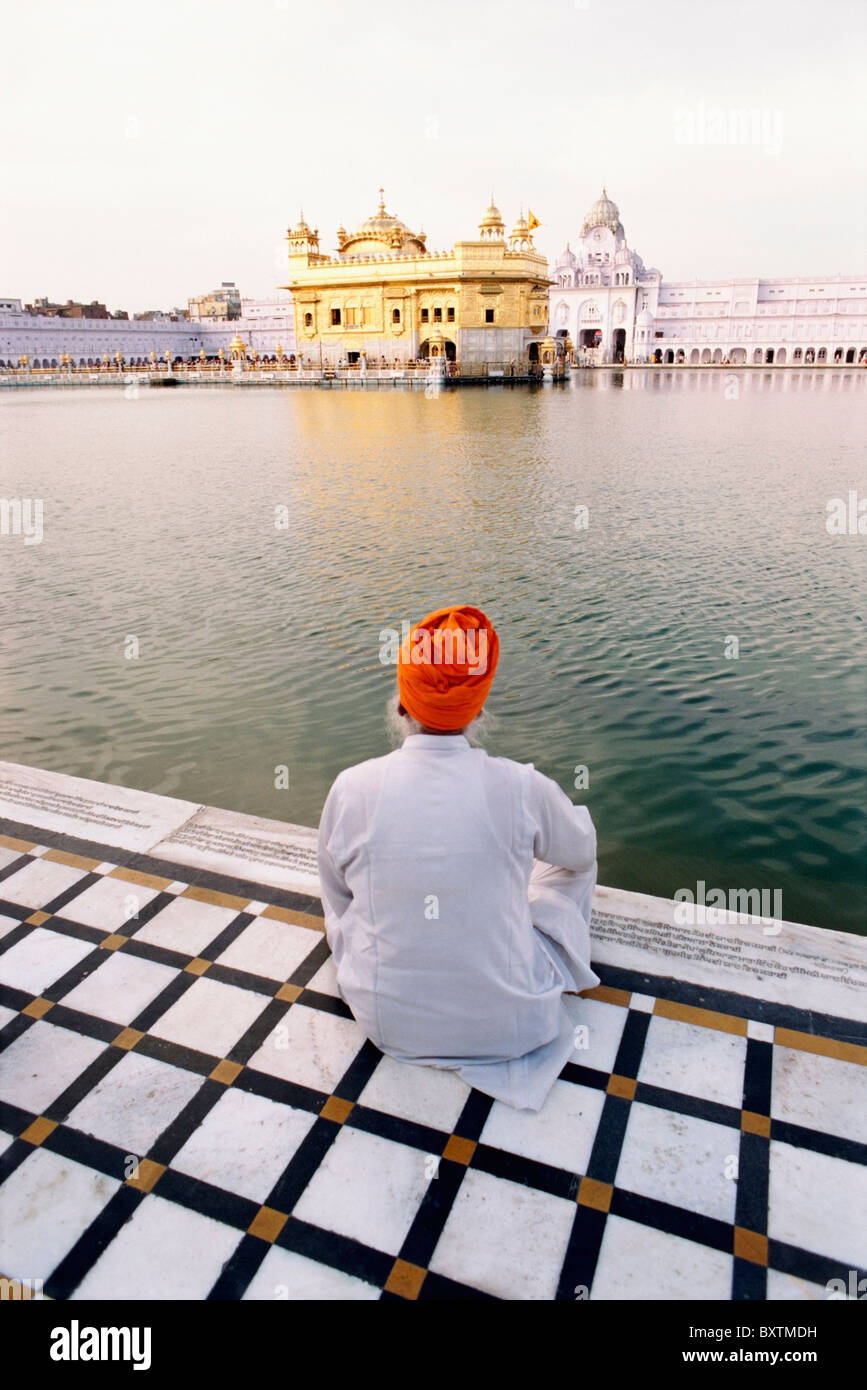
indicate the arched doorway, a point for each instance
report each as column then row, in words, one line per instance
column 694, row 357
column 757, row 357
column 850, row 354
column 618, row 344
column 450, row 350
column 657, row 355
column 669, row 357
column 769, row 357
column 781, row 357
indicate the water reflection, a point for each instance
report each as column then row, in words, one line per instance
column 259, row 644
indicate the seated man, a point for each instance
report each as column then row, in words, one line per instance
column 452, row 948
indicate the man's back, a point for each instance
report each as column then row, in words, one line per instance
column 425, row 860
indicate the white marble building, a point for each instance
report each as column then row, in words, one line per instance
column 614, row 308
column 264, row 325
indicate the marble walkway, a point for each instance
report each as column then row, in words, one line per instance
column 189, row 1111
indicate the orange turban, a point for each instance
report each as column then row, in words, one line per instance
column 446, row 666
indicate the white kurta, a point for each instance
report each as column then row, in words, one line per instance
column 452, row 947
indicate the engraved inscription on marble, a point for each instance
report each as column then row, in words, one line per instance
column 231, row 843
column 763, row 958
column 46, row 798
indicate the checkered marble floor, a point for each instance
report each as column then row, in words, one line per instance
column 189, row 1111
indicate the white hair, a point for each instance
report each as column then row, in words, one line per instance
column 400, row 726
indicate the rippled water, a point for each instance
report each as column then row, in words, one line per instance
column 259, row 646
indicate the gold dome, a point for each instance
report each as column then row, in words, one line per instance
column 382, row 231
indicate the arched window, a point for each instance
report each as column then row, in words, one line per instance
column 395, row 316
column 308, row 320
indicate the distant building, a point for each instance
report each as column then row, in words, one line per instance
column 72, row 309
column 224, row 303
column 611, row 307
column 264, row 326
column 384, row 294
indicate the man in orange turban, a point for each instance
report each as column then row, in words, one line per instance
column 457, row 887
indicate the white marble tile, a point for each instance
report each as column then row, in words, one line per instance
column 91, row 810
column 507, row 1240
column 41, row 958
column 604, row 1024
column 679, row 1159
column 367, row 1188
column 643, row 1003
column 636, row 1262
column 5, row 1140
column 39, row 882
column 244, row 1143
column 210, row 1017
column 105, row 867
column 8, row 856
column 135, row 1102
column 325, row 979
column 109, row 904
column 428, row 1095
column 120, row 987
column 40, row 1064
column 813, row 1200
column 285, row 1276
column 696, row 1061
column 309, row 1047
column 6, row 1015
column 45, row 1205
column 760, row 1032
column 186, row 925
column 561, row 1133
column 8, row 924
column 789, row 1288
column 163, row 1252
column 822, row 1093
column 178, row 885
column 270, row 948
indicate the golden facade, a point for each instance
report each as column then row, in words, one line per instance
column 384, row 295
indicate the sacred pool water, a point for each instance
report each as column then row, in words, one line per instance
column 680, row 605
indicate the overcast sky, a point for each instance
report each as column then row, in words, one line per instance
column 151, row 151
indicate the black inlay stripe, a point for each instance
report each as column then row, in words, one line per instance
column 674, row 1221
column 85, row 1082
column 239, row 1270
column 229, row 1208
column 683, row 1104
column 438, row 1289
column 739, row 1005
column 818, row 1269
column 22, row 860
column 340, row 1252
column 608, row 1143
column 831, row 1144
column 436, row 1206
column 632, row 1041
column 582, row 1255
column 749, row 1282
column 398, row 1130
column 526, row 1172
column 87, row 880
column 758, row 1065
column 92, row 1243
